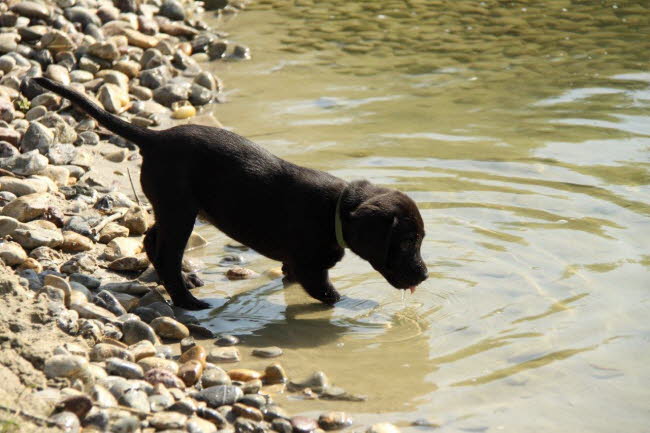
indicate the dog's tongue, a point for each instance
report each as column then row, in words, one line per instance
column 412, row 289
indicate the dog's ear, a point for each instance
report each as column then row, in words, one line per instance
column 371, row 227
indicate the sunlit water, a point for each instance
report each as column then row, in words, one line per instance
column 522, row 129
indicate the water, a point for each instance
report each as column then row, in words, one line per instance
column 522, row 130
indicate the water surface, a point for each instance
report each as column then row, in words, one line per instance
column 522, row 129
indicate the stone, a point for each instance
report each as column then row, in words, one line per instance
column 172, row 92
column 154, row 362
column 122, row 247
column 213, row 375
column 11, row 253
column 66, row 421
column 37, row 237
column 239, row 273
column 9, row 42
column 195, row 353
column 103, row 351
column 80, row 263
column 37, row 137
column 110, row 303
column 172, row 10
column 244, row 374
column 8, row 150
column 32, row 10
column 135, row 399
column 75, row 243
column 111, row 231
column 142, row 349
column 136, row 221
column 58, row 73
column 102, row 396
column 130, row 68
column 89, row 137
column 92, row 311
column 184, row 112
column 81, row 76
column 164, row 377
column 303, row 424
column 199, row 331
column 104, row 50
column 159, row 403
column 162, row 308
column 334, row 421
column 267, row 352
column 113, row 98
column 274, row 374
column 117, row 156
column 212, row 416
column 317, row 381
column 126, row 369
column 79, row 225
column 247, row 412
column 200, row 95
column 220, row 395
column 223, row 354
column 61, row 153
column 130, row 264
column 168, row 420
column 187, row 344
column 20, row 187
column 11, row 136
column 208, row 81
column 199, row 425
column 25, row 164
column 59, row 175
column 258, row 401
column 166, row 327
column 154, row 78
column 190, row 372
column 281, row 425
column 136, row 330
column 225, row 340
column 88, row 281
column 140, row 39
column 69, row 366
column 57, row 41
column 382, row 427
column 6, row 197
column 79, row 405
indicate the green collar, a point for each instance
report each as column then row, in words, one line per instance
column 338, row 224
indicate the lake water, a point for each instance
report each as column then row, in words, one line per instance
column 522, row 130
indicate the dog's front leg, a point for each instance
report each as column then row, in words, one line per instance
column 316, row 282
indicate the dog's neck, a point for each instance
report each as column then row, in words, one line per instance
column 338, row 223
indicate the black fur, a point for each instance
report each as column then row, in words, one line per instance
column 281, row 210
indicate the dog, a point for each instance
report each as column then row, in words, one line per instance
column 302, row 217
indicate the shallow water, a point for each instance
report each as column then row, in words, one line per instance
column 522, row 129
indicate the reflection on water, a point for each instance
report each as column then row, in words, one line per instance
column 522, row 129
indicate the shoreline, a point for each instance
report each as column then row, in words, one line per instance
column 88, row 339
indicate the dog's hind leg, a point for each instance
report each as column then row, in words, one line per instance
column 173, row 227
column 316, row 283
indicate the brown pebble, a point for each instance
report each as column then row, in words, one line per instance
column 239, row 273
column 164, row 377
column 244, row 374
column 303, row 424
column 274, row 374
column 187, row 343
column 114, row 342
column 247, row 412
column 80, row 405
column 190, row 372
column 197, row 353
column 334, row 420
column 31, row 263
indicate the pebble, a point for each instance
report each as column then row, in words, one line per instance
column 317, row 381
column 184, row 112
column 164, row 377
column 28, row 207
column 136, row 221
column 111, row 231
column 185, row 406
column 122, row 247
column 187, row 344
column 213, row 416
column 244, row 374
column 79, row 263
column 66, row 421
column 223, row 354
column 24, row 164
column 136, row 399
column 37, row 137
column 65, row 366
column 126, row 369
column 168, row 420
column 199, row 425
column 139, row 262
column 267, row 352
column 195, row 353
column 74, row 242
column 103, row 351
column 31, row 9
column 153, row 362
column 136, row 330
column 158, row 403
column 213, row 375
column 11, row 253
column 334, row 421
column 282, row 425
column 79, row 405
column 239, row 273
column 275, row 374
column 190, row 372
column 303, row 424
column 227, row 340
column 142, row 349
column 220, row 395
column 111, row 303
column 88, row 281
column 382, row 427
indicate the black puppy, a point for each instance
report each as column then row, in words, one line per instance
column 299, row 216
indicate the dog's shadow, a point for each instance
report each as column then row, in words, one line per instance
column 301, row 323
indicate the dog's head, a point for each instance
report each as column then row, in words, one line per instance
column 384, row 227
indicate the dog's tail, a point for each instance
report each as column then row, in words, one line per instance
column 139, row 136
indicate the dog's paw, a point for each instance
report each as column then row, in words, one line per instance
column 191, row 280
column 189, row 302
column 330, row 298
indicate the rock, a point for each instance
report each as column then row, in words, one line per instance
column 132, row 264
column 244, row 374
column 92, row 311
column 216, row 396
column 274, row 374
column 136, row 331
column 103, row 351
column 195, row 353
column 89, row 137
column 172, row 92
column 317, row 381
column 187, row 344
column 78, row 225
column 136, row 399
column 213, row 375
column 200, row 95
column 129, row 287
column 37, row 137
column 172, row 10
column 190, row 372
column 66, row 421
column 184, row 112
column 281, row 425
column 136, row 221
column 81, row 76
column 37, row 237
column 59, row 175
column 32, row 10
column 199, row 425
column 208, row 81
column 88, row 281
column 111, row 231
column 267, row 352
column 11, row 253
column 75, row 243
column 168, row 420
column 110, row 303
column 80, row 263
column 334, row 421
column 162, row 308
column 122, row 247
column 117, row 156
column 25, row 164
column 200, row 331
column 154, row 78
column 140, row 39
column 104, row 50
column 8, row 150
column 382, row 427
column 61, row 153
column 303, row 424
column 212, row 416
column 21, row 187
column 126, row 369
column 79, row 405
column 153, row 362
column 113, row 98
column 167, row 327
column 102, row 396
column 10, row 136
column 58, row 73
column 57, row 41
column 165, row 377
column 6, row 197
column 142, row 349
column 9, row 42
column 223, row 354
column 65, row 366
